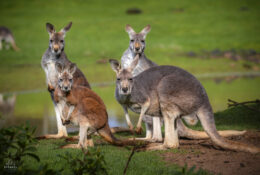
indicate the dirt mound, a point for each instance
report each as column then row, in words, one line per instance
column 203, row 154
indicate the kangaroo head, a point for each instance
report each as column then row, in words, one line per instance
column 56, row 41
column 125, row 79
column 65, row 76
column 137, row 40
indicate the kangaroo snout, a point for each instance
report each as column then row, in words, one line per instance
column 125, row 89
column 137, row 46
column 56, row 47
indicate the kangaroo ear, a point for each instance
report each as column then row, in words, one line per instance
column 129, row 30
column 115, row 65
column 134, row 63
column 146, row 30
column 59, row 67
column 50, row 28
column 66, row 28
column 72, row 68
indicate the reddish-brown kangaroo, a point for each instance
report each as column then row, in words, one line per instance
column 55, row 53
column 85, row 108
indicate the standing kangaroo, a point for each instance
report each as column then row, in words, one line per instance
column 85, row 108
column 136, row 47
column 153, row 127
column 170, row 92
column 55, row 53
column 7, row 36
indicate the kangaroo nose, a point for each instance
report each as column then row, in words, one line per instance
column 125, row 89
column 66, row 87
column 56, row 48
column 137, row 48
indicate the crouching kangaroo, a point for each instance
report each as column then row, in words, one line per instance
column 153, row 128
column 7, row 36
column 55, row 53
column 170, row 92
column 85, row 108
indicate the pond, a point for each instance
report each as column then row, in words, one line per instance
column 37, row 108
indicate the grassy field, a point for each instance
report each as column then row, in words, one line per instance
column 142, row 162
column 98, row 32
column 178, row 27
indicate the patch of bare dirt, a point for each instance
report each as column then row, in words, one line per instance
column 202, row 154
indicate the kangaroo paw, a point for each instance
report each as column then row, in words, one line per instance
column 138, row 131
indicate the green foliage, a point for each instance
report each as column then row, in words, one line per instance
column 16, row 143
column 87, row 162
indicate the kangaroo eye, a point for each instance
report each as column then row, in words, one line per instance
column 62, row 41
column 70, row 80
column 60, row 79
column 51, row 40
column 132, row 40
column 118, row 79
column 142, row 41
column 130, row 79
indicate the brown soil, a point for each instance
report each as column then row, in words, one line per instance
column 203, row 154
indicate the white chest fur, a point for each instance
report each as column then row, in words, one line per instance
column 51, row 73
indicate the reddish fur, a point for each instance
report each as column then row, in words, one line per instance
column 89, row 105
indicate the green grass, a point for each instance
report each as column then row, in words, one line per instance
column 149, row 162
column 98, row 32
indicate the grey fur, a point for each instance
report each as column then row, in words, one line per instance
column 171, row 92
column 7, row 36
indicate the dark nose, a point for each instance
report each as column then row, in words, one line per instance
column 137, row 48
column 66, row 87
column 66, row 122
column 125, row 89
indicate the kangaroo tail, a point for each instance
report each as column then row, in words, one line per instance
column 206, row 117
column 106, row 134
column 186, row 132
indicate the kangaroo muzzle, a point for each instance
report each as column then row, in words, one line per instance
column 56, row 47
column 137, row 45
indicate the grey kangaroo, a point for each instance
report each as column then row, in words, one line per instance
column 170, row 92
column 7, row 36
column 153, row 127
column 137, row 46
column 55, row 53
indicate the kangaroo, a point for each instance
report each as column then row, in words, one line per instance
column 86, row 109
column 137, row 46
column 55, row 53
column 7, row 36
column 170, row 92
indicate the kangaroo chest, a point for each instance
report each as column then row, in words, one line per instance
column 51, row 74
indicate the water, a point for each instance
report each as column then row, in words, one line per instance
column 37, row 108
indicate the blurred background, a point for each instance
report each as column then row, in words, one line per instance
column 217, row 41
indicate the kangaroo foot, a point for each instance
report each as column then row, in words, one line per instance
column 155, row 146
column 52, row 136
column 71, row 146
column 143, row 139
